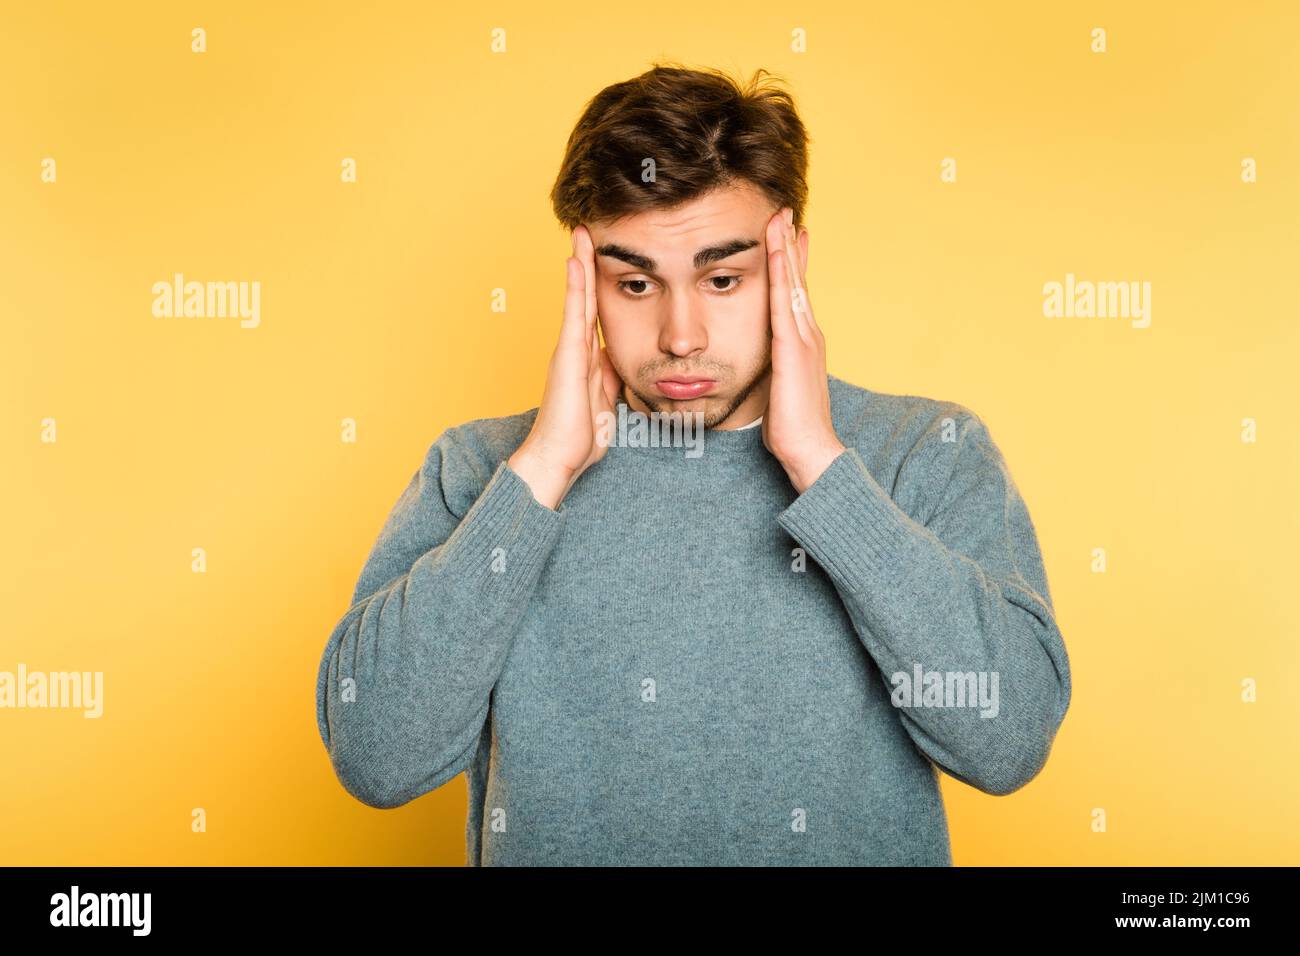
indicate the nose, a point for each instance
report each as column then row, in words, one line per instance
column 683, row 332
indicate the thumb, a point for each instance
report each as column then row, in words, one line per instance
column 612, row 382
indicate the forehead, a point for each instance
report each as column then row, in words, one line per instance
column 732, row 211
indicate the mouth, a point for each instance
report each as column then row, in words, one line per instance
column 682, row 387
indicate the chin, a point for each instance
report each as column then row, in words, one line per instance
column 714, row 407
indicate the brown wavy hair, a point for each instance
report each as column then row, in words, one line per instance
column 701, row 128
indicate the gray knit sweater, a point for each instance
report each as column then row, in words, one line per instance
column 687, row 662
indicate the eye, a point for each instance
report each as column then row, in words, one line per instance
column 637, row 288
column 623, row 285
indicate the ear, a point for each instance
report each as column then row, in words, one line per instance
column 802, row 241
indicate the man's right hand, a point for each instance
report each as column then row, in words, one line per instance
column 580, row 384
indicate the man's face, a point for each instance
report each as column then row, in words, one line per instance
column 683, row 294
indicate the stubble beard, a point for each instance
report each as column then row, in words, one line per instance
column 712, row 418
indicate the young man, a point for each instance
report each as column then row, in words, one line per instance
column 752, row 650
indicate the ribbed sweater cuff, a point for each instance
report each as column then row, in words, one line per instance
column 507, row 517
column 850, row 525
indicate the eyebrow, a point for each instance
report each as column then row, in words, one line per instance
column 702, row 258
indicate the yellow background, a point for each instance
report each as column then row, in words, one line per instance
column 183, row 433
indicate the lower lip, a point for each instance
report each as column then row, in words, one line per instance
column 684, row 390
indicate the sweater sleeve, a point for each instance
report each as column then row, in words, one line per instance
column 404, row 684
column 961, row 592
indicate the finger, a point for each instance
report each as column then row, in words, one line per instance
column 572, row 329
column 598, row 360
column 778, row 277
column 613, row 382
column 801, row 306
column 575, row 240
column 803, row 276
column 800, row 258
column 584, row 250
column 595, row 375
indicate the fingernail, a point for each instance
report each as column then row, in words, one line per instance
column 789, row 217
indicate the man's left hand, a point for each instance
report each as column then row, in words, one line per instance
column 797, row 427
